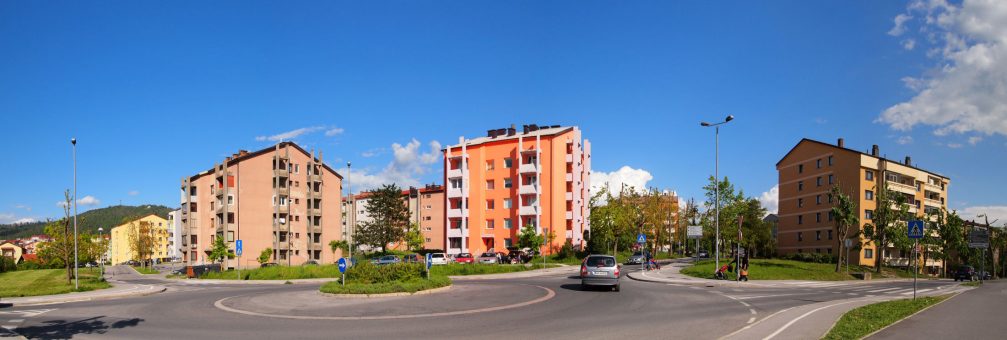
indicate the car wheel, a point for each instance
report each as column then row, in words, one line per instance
column 616, row 287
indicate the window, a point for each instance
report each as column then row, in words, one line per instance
column 800, row 185
column 427, row 240
column 490, row 184
column 456, row 183
column 869, row 214
column 869, row 175
column 868, row 253
column 800, row 202
column 830, row 234
column 869, row 195
column 818, row 217
column 428, row 207
column 507, row 223
column 297, row 168
column 830, row 216
column 427, row 196
column 830, row 198
column 427, row 218
column 818, row 181
column 818, row 250
column 230, row 236
column 818, row 163
column 507, row 203
column 489, row 165
column 508, row 163
column 818, row 199
column 818, row 235
column 508, row 243
column 490, row 224
column 230, row 200
column 489, row 204
column 508, row 183
column 830, row 160
column 800, row 236
column 829, row 250
column 831, row 179
column 800, row 219
column 800, row 168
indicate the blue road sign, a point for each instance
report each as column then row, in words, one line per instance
column 430, row 258
column 915, row 229
column 641, row 238
column 342, row 265
column 237, row 247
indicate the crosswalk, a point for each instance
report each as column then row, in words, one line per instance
column 864, row 289
column 11, row 320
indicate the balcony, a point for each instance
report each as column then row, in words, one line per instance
column 455, row 213
column 455, row 232
column 457, row 192
column 220, row 228
column 314, row 178
column 281, row 173
column 455, row 173
column 933, row 187
column 932, row 202
column 314, row 212
column 282, row 209
column 569, row 215
column 903, row 188
column 315, row 229
column 284, row 227
column 528, row 168
column 569, row 196
column 569, row 158
column 569, row 177
column 284, row 190
column 528, row 189
column 529, row 210
column 283, row 245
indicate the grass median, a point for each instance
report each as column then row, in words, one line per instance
column 48, row 282
column 775, row 269
column 146, row 270
column 407, row 286
column 278, row 273
column 865, row 320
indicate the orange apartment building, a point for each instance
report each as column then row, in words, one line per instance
column 426, row 208
column 280, row 197
column 808, row 172
column 498, row 183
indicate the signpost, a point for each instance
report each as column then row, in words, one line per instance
column 237, row 251
column 641, row 238
column 695, row 232
column 980, row 239
column 915, row 232
column 342, row 269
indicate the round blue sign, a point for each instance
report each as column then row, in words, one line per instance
column 342, row 265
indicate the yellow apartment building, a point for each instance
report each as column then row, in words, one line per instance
column 119, row 247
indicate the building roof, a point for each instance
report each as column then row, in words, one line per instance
column 29, row 257
column 250, row 155
column 856, row 151
column 424, row 190
column 545, row 131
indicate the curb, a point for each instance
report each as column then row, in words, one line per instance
column 254, row 282
column 514, row 275
column 899, row 320
column 368, row 296
column 96, row 298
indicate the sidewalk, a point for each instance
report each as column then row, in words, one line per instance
column 671, row 273
column 120, row 289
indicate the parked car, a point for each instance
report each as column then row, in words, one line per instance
column 965, row 273
column 600, row 270
column 412, row 258
column 704, row 254
column 311, row 262
column 984, row 275
column 438, row 258
column 269, row 264
column 387, row 259
column 517, row 256
column 464, row 258
column 489, row 258
column 638, row 257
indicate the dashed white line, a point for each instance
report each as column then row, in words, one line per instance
column 15, row 320
column 9, row 327
column 746, row 304
column 918, row 291
column 752, row 311
column 883, row 290
column 751, row 320
column 778, row 331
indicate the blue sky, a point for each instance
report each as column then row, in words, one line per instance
column 157, row 91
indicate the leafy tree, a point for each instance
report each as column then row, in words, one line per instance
column 883, row 228
column 414, row 238
column 58, row 252
column 219, row 252
column 338, row 245
column 529, row 238
column 141, row 240
column 265, row 255
column 389, row 218
column 846, row 215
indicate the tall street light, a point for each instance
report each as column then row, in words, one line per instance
column 716, row 177
column 76, row 285
column 350, row 212
column 101, row 257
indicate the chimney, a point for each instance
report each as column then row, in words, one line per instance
column 874, row 150
column 511, row 131
column 840, row 143
column 909, row 161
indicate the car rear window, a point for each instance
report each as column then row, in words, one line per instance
column 464, row 255
column 437, row 255
column 600, row 262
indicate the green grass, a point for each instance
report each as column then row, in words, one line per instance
column 278, row 273
column 972, row 283
column 458, row 269
column 774, row 269
column 859, row 322
column 146, row 270
column 409, row 286
column 47, row 282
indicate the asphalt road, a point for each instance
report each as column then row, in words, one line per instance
column 975, row 314
column 541, row 307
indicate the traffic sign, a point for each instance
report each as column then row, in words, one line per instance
column 641, row 238
column 695, row 231
column 430, row 257
column 342, row 264
column 979, row 239
column 237, row 247
column 915, row 229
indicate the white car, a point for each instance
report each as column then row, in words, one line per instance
column 438, row 258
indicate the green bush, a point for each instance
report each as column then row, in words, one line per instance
column 566, row 251
column 7, row 264
column 406, row 286
column 31, row 265
column 811, row 257
column 365, row 272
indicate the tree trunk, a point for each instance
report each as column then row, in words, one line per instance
column 879, row 246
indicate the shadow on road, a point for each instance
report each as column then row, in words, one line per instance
column 61, row 329
column 5, row 305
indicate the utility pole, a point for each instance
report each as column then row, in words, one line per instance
column 76, row 284
column 351, row 212
column 716, row 182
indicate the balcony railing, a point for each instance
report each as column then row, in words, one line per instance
column 932, row 202
column 455, row 213
column 528, row 168
column 282, row 209
column 569, row 158
column 528, row 210
column 455, row 173
column 315, row 178
column 569, row 196
column 281, row 173
column 904, row 188
column 528, row 189
column 933, row 187
column 569, row 177
column 457, row 192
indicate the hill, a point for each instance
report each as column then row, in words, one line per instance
column 88, row 221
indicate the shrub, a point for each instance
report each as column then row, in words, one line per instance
column 365, row 272
column 566, row 251
column 407, row 286
column 31, row 265
column 7, row 264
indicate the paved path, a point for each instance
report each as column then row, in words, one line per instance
column 975, row 314
column 122, row 278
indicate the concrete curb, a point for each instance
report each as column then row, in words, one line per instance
column 517, row 275
column 953, row 295
column 69, row 298
column 254, row 282
column 367, row 296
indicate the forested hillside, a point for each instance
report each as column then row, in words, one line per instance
column 88, row 221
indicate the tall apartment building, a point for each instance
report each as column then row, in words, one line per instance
column 498, row 183
column 281, row 197
column 120, row 249
column 811, row 168
column 426, row 208
column 175, row 234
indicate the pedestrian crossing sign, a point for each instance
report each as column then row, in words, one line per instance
column 915, row 229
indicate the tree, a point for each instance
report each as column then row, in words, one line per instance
column 389, row 218
column 338, row 245
column 891, row 207
column 141, row 240
column 58, row 252
column 414, row 238
column 549, row 236
column 219, row 252
column 529, row 238
column 846, row 215
column 265, row 255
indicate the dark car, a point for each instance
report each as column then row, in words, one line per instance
column 965, row 273
column 387, row 259
column 704, row 254
column 517, row 256
column 412, row 258
column 268, row 264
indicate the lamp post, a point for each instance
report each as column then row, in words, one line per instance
column 350, row 212
column 76, row 284
column 716, row 177
column 101, row 257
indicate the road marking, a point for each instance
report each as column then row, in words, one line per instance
column 27, row 313
column 851, row 293
column 902, row 291
column 16, row 320
column 746, row 304
column 760, row 321
column 883, row 290
column 918, row 291
column 791, row 323
column 9, row 327
column 763, row 296
column 694, row 287
column 737, row 290
column 751, row 320
column 752, row 310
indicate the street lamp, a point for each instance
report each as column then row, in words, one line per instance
column 101, row 257
column 350, row 212
column 716, row 177
column 76, row 284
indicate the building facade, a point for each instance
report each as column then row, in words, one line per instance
column 281, row 197
column 426, row 209
column 508, row 179
column 175, row 235
column 120, row 249
column 811, row 168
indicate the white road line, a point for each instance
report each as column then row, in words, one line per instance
column 763, row 296
column 751, row 320
column 752, row 310
column 737, row 290
column 746, row 304
column 851, row 293
column 15, row 320
column 883, row 290
column 778, row 331
column 9, row 327
column 918, row 291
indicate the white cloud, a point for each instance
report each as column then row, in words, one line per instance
column 290, row 134
column 904, row 140
column 25, row 220
column 333, row 131
column 633, row 178
column 85, row 201
column 975, row 140
column 373, row 152
column 995, row 212
column 954, row 145
column 10, row 218
column 900, row 21
column 771, row 199
column 134, row 192
column 23, row 207
column 821, row 120
column 909, row 44
column 969, row 78
column 408, row 163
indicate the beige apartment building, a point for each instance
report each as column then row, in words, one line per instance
column 426, row 209
column 281, row 197
column 121, row 250
column 811, row 168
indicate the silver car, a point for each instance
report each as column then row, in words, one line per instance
column 599, row 270
column 489, row 258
